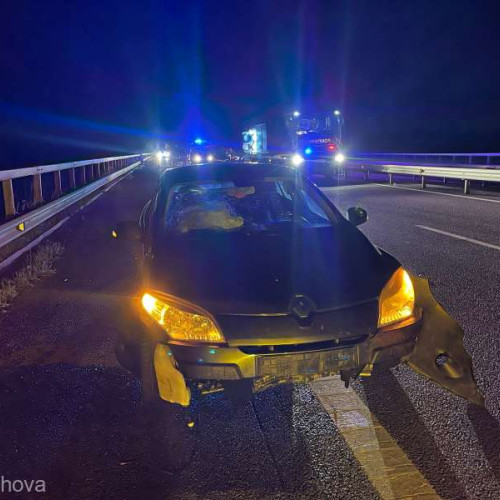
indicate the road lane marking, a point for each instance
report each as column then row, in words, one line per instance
column 458, row 237
column 423, row 191
column 386, row 465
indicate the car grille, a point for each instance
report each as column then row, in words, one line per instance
column 303, row 347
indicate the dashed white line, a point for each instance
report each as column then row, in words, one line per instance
column 459, row 237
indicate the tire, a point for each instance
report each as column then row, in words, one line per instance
column 147, row 373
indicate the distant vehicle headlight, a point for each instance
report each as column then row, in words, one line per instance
column 166, row 154
column 197, row 158
column 210, row 158
column 182, row 324
column 339, row 158
column 159, row 156
column 297, row 160
column 397, row 300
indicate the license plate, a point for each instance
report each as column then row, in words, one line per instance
column 308, row 363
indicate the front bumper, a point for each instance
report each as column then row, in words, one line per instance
column 295, row 363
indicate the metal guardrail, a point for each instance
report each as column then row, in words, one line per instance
column 465, row 174
column 451, row 159
column 89, row 170
column 103, row 171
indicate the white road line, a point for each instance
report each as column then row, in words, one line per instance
column 386, row 465
column 424, row 191
column 458, row 237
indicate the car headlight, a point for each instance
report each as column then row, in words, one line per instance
column 210, row 158
column 297, row 160
column 339, row 158
column 159, row 156
column 397, row 300
column 182, row 324
column 197, row 158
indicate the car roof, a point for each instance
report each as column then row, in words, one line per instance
column 236, row 171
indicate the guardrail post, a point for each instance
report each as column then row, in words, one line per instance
column 391, row 180
column 57, row 183
column 84, row 175
column 424, row 182
column 37, row 189
column 71, row 178
column 466, row 186
column 8, row 198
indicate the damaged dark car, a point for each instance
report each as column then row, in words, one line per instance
column 250, row 277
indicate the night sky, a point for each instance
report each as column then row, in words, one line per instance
column 81, row 79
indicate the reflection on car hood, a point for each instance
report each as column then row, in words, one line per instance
column 259, row 273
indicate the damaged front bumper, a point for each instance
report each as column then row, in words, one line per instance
column 210, row 368
column 433, row 347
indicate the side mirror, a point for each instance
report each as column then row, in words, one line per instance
column 357, row 215
column 127, row 230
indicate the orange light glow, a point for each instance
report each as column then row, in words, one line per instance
column 397, row 300
column 180, row 324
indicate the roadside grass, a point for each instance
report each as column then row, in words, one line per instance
column 39, row 263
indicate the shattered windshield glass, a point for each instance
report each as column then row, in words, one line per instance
column 264, row 205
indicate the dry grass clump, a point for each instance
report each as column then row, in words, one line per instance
column 38, row 264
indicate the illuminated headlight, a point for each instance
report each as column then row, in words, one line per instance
column 197, row 158
column 210, row 158
column 297, row 160
column 159, row 156
column 166, row 155
column 339, row 158
column 397, row 300
column 182, row 324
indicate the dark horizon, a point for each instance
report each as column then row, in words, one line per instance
column 81, row 81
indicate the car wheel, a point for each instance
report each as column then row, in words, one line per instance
column 147, row 373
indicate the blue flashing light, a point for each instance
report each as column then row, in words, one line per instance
column 212, row 351
column 198, row 141
column 308, row 151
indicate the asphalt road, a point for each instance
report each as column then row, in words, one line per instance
column 72, row 417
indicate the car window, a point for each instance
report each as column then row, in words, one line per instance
column 258, row 206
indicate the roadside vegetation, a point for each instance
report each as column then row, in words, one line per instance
column 38, row 263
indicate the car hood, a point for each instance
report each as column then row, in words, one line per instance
column 260, row 273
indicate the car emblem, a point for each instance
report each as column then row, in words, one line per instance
column 301, row 306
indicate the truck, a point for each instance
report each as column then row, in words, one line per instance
column 315, row 137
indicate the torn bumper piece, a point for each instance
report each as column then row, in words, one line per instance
column 439, row 352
